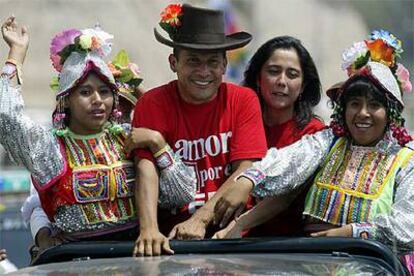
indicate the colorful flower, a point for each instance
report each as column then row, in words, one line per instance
column 170, row 18
column 388, row 38
column 351, row 55
column 126, row 74
column 102, row 36
column 171, row 14
column 56, row 63
column 403, row 77
column 59, row 42
column 63, row 39
column 100, row 40
column 95, row 43
column 381, row 52
column 115, row 71
column 85, row 41
column 134, row 69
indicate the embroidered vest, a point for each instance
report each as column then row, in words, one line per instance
column 95, row 194
column 355, row 184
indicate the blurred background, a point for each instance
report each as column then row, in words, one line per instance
column 326, row 28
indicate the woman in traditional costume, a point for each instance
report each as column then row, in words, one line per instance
column 81, row 167
column 364, row 171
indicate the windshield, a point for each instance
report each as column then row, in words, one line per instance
column 217, row 264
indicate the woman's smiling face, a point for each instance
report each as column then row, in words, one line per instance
column 366, row 119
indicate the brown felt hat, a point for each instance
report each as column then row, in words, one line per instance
column 203, row 29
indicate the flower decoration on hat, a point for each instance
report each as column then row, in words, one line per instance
column 74, row 53
column 127, row 74
column 376, row 58
column 171, row 18
column 81, row 41
column 382, row 47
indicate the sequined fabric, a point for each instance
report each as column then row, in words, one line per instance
column 83, row 218
column 354, row 184
column 288, row 168
column 96, row 191
column 178, row 183
column 28, row 143
column 75, row 66
column 38, row 150
column 386, row 79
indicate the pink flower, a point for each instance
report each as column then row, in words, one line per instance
column 63, row 39
column 56, row 62
column 134, row 69
column 404, row 78
column 59, row 42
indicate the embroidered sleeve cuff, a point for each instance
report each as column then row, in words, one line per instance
column 9, row 70
column 362, row 230
column 254, row 175
column 164, row 157
column 17, row 70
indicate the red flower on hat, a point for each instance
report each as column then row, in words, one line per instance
column 381, row 52
column 171, row 15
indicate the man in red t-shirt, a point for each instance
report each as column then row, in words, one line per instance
column 214, row 127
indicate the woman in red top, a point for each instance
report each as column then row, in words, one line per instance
column 287, row 83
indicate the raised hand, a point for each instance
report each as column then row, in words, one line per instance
column 17, row 38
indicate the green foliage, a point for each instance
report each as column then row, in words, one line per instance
column 121, row 59
column 54, row 84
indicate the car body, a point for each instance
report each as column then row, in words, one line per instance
column 273, row 256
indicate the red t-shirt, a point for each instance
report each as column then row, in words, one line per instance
column 288, row 222
column 207, row 137
column 279, row 136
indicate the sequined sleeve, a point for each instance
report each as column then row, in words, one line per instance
column 177, row 181
column 26, row 142
column 284, row 170
column 397, row 229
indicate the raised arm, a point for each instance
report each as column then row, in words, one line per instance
column 17, row 38
column 28, row 143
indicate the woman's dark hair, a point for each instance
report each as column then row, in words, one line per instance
column 363, row 86
column 311, row 94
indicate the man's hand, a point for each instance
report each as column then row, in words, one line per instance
column 191, row 229
column 144, row 138
column 17, row 38
column 233, row 202
column 344, row 231
column 232, row 231
column 45, row 240
column 151, row 243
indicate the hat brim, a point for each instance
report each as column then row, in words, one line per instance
column 333, row 92
column 232, row 41
column 127, row 96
